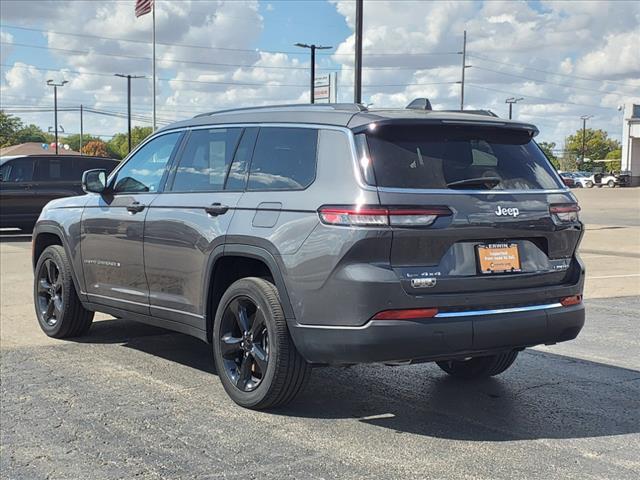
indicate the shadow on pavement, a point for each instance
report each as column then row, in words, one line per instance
column 542, row 396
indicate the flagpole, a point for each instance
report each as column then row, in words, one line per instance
column 153, row 14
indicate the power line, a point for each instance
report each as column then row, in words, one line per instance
column 239, row 84
column 547, row 81
column 197, row 62
column 206, row 47
column 553, row 100
column 486, row 59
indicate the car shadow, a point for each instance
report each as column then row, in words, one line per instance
column 543, row 395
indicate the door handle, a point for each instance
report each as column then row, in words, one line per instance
column 216, row 209
column 135, row 207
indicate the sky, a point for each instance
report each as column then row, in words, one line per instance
column 565, row 58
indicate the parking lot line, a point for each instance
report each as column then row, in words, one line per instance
column 615, row 276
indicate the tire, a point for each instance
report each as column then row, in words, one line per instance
column 255, row 357
column 588, row 184
column 479, row 367
column 58, row 308
column 611, row 184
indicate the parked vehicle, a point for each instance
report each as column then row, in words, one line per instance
column 28, row 183
column 567, row 179
column 584, row 179
column 298, row 236
column 613, row 180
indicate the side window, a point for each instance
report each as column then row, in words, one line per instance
column 54, row 169
column 205, row 160
column 17, row 170
column 237, row 178
column 284, row 159
column 144, row 170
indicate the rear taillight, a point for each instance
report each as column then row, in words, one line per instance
column 564, row 212
column 410, row 314
column 572, row 300
column 366, row 216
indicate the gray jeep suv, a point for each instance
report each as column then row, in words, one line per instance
column 298, row 236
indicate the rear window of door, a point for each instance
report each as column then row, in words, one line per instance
column 54, row 170
column 205, row 160
column 454, row 157
column 17, row 170
column 144, row 171
column 284, row 159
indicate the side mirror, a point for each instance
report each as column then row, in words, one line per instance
column 94, row 181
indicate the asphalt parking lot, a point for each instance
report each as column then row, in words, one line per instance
column 134, row 401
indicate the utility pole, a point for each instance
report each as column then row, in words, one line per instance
column 357, row 87
column 81, row 128
column 129, row 77
column 584, row 132
column 464, row 66
column 55, row 86
column 313, row 47
column 511, row 101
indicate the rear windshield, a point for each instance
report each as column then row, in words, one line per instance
column 456, row 157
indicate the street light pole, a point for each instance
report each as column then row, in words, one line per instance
column 584, row 132
column 55, row 86
column 129, row 77
column 511, row 101
column 357, row 87
column 313, row 49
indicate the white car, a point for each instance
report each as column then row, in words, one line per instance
column 584, row 179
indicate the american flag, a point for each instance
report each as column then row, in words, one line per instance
column 143, row 7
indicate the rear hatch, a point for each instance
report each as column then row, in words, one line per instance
column 501, row 216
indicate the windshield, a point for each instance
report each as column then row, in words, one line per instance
column 456, row 157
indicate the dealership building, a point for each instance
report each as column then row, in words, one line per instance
column 631, row 141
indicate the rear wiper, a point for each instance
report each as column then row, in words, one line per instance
column 487, row 182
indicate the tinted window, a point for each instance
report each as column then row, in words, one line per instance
column 81, row 165
column 143, row 172
column 237, row 177
column 283, row 159
column 18, row 170
column 54, row 169
column 435, row 157
column 205, row 160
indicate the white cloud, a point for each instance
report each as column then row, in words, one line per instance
column 514, row 48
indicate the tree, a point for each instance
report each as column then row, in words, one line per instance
column 9, row 125
column 119, row 146
column 95, row 148
column 31, row 133
column 597, row 144
column 74, row 140
column 547, row 148
column 615, row 157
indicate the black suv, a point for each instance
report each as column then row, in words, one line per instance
column 28, row 183
column 295, row 236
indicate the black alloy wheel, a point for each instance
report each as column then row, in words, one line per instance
column 255, row 357
column 50, row 298
column 244, row 343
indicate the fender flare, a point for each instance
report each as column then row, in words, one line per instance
column 249, row 251
column 56, row 230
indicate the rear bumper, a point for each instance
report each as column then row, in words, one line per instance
column 446, row 336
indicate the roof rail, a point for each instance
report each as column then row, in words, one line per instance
column 344, row 107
